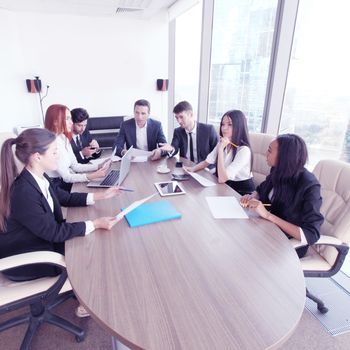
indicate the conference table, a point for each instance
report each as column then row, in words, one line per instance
column 190, row 283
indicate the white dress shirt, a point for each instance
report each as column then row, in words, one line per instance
column 77, row 140
column 141, row 137
column 237, row 169
column 68, row 166
column 44, row 188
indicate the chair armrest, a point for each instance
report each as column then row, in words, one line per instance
column 329, row 240
column 324, row 240
column 342, row 249
column 38, row 257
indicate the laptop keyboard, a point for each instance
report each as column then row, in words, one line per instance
column 111, row 179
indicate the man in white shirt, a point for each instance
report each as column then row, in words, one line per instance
column 141, row 132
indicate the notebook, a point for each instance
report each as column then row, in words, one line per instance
column 149, row 213
column 115, row 177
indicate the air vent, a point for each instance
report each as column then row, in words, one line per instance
column 127, row 10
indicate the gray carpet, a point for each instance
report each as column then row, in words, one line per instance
column 309, row 334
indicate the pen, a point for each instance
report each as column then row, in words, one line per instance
column 233, row 144
column 266, row 205
column 126, row 189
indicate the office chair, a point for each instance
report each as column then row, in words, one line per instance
column 105, row 129
column 326, row 256
column 41, row 295
column 259, row 144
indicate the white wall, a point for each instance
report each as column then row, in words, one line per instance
column 102, row 64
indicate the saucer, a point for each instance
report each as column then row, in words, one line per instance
column 162, row 170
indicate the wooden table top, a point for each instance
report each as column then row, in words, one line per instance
column 190, row 283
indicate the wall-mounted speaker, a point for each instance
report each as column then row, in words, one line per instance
column 162, row 84
column 33, row 86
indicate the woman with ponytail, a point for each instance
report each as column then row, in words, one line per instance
column 292, row 191
column 30, row 207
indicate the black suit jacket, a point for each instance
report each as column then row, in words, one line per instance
column 32, row 226
column 127, row 135
column 85, row 139
column 303, row 206
column 207, row 139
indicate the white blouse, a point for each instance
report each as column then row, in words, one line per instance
column 237, row 169
column 68, row 166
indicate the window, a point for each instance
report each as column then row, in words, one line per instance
column 187, row 55
column 241, row 50
column 317, row 99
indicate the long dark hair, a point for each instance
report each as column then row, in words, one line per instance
column 27, row 143
column 291, row 159
column 240, row 135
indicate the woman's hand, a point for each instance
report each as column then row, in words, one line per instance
column 244, row 201
column 258, row 207
column 98, row 174
column 105, row 164
column 109, row 193
column 105, row 223
column 224, row 141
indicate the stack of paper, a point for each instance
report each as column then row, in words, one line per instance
column 201, row 179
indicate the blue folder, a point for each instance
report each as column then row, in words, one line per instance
column 149, row 213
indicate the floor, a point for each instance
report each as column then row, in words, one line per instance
column 309, row 335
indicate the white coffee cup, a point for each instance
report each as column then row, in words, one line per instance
column 162, row 168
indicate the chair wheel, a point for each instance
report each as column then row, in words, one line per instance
column 322, row 309
column 79, row 339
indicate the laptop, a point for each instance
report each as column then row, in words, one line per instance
column 115, row 177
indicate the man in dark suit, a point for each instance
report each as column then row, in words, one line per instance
column 84, row 147
column 194, row 140
column 141, row 132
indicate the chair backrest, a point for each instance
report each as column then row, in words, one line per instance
column 334, row 176
column 3, row 137
column 105, row 129
column 259, row 144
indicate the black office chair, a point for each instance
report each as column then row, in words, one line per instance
column 104, row 130
column 41, row 295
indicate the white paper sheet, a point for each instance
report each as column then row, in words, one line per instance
column 133, row 206
column 226, row 208
column 135, row 152
column 139, row 159
column 201, row 179
column 98, row 161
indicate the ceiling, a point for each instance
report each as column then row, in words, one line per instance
column 119, row 8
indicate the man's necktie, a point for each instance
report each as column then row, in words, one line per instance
column 191, row 147
column 79, row 143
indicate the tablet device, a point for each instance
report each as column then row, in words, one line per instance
column 169, row 188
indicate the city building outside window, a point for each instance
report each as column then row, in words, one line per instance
column 241, row 50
